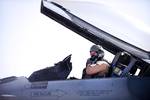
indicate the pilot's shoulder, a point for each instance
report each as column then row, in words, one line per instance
column 103, row 62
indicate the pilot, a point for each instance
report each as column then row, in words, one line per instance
column 96, row 66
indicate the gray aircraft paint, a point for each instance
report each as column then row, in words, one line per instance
column 91, row 89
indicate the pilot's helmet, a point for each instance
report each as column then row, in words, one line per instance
column 96, row 50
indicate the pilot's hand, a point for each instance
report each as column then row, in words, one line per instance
column 91, row 65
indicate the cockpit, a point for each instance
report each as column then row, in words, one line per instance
column 123, row 65
column 129, row 60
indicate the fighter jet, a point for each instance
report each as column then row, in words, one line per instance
column 131, row 56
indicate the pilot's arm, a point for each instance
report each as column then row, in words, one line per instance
column 100, row 67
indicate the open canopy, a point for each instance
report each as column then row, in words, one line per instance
column 116, row 29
